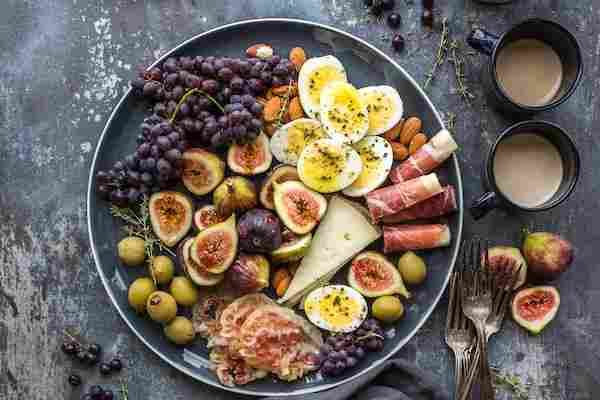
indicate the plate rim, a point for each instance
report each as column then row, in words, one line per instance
column 239, row 389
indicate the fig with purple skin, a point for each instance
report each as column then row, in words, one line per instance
column 259, row 231
column 547, row 254
column 249, row 273
column 504, row 261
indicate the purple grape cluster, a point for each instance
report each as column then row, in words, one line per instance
column 226, row 81
column 155, row 165
column 341, row 352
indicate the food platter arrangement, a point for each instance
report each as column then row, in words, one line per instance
column 286, row 218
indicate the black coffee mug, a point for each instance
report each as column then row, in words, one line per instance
column 567, row 149
column 554, row 35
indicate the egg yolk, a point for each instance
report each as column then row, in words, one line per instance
column 371, row 163
column 347, row 112
column 300, row 135
column 380, row 109
column 321, row 77
column 324, row 165
column 336, row 308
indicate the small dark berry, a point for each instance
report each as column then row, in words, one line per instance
column 105, row 368
column 74, row 380
column 116, row 364
column 394, row 20
column 91, row 359
column 398, row 42
column 81, row 355
column 69, row 348
column 94, row 348
column 108, row 395
column 96, row 391
column 388, row 4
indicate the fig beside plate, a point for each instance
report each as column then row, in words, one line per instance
column 503, row 261
column 533, row 308
column 547, row 254
column 215, row 247
column 170, row 216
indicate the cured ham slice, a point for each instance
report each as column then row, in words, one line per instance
column 414, row 237
column 395, row 198
column 426, row 159
column 278, row 340
column 440, row 204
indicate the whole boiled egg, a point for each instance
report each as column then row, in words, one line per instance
column 288, row 141
column 327, row 165
column 385, row 108
column 336, row 308
column 344, row 114
column 377, row 157
column 312, row 78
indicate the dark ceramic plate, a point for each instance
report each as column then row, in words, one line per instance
column 365, row 66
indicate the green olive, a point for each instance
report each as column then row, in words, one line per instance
column 138, row 293
column 412, row 268
column 161, row 306
column 387, row 309
column 180, row 331
column 132, row 251
column 162, row 269
column 184, row 291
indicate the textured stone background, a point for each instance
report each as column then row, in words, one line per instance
column 65, row 63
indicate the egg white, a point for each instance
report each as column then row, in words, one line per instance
column 377, row 157
column 313, row 76
column 328, row 166
column 344, row 114
column 385, row 108
column 288, row 141
column 335, row 319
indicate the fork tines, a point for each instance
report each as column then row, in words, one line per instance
column 475, row 277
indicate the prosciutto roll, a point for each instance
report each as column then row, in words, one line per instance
column 440, row 204
column 426, row 159
column 414, row 237
column 392, row 199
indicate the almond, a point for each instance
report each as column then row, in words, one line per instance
column 394, row 133
column 252, row 51
column 297, row 57
column 279, row 275
column 283, row 90
column 411, row 127
column 261, row 100
column 399, row 150
column 272, row 109
column 270, row 129
column 295, row 109
column 283, row 285
column 269, row 95
column 416, row 143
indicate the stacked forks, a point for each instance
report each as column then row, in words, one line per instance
column 478, row 303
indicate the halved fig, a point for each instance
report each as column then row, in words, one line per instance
column 260, row 231
column 170, row 216
column 299, row 207
column 373, row 275
column 198, row 274
column 202, row 171
column 280, row 174
column 206, row 216
column 251, row 158
column 215, row 247
column 293, row 248
column 236, row 193
column 504, row 260
column 533, row 308
column 249, row 273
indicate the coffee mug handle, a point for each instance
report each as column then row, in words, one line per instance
column 484, row 204
column 482, row 41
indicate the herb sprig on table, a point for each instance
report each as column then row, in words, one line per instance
column 511, row 383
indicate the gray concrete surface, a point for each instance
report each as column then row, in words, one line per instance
column 64, row 65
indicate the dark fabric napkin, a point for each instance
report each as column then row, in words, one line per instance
column 396, row 379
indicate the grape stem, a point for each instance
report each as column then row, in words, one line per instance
column 370, row 335
column 189, row 93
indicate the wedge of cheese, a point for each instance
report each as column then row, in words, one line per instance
column 344, row 232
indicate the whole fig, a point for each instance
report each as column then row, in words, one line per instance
column 547, row 255
column 249, row 273
column 260, row 231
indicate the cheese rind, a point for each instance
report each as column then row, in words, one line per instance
column 344, row 232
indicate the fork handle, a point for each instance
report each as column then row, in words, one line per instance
column 487, row 390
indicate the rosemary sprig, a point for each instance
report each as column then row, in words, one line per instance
column 441, row 54
column 286, row 100
column 138, row 224
column 459, row 72
column 189, row 93
column 451, row 122
column 510, row 382
column 124, row 390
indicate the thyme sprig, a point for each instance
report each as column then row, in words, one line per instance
column 138, row 224
column 511, row 383
column 441, row 54
column 459, row 72
column 451, row 122
column 124, row 390
column 286, row 100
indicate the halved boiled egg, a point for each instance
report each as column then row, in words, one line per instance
column 377, row 157
column 385, row 108
column 336, row 308
column 314, row 75
column 288, row 141
column 327, row 165
column 344, row 114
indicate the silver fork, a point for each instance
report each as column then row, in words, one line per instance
column 459, row 334
column 476, row 297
